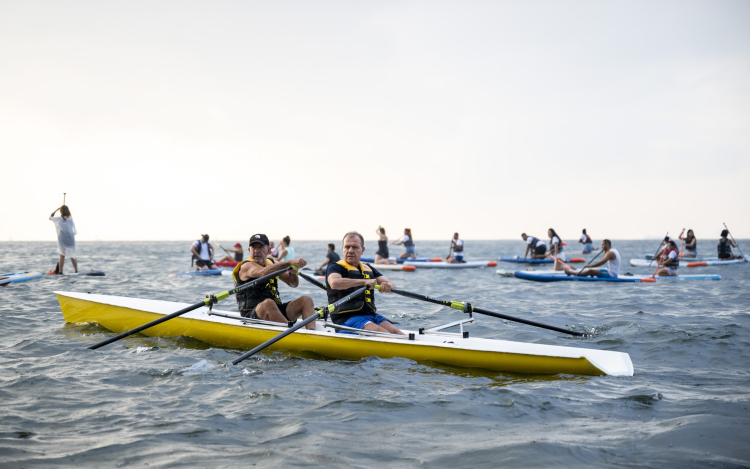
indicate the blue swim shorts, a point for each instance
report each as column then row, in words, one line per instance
column 587, row 248
column 459, row 257
column 359, row 322
column 604, row 273
column 410, row 250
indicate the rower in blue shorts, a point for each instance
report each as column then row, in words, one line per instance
column 611, row 259
column 349, row 274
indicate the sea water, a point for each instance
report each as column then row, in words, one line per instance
column 177, row 402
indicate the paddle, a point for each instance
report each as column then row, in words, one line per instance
column 462, row 307
column 64, row 194
column 735, row 241
column 657, row 250
column 319, row 314
column 589, row 263
column 682, row 241
column 209, row 301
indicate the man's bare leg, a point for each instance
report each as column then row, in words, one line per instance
column 383, row 327
column 302, row 306
column 75, row 264
column 268, row 311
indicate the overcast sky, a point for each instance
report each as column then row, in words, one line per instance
column 164, row 120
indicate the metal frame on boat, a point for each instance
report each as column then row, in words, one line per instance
column 223, row 329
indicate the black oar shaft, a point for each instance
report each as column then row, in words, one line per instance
column 206, row 302
column 313, row 281
column 318, row 314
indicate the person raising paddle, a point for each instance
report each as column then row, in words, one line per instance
column 691, row 245
column 66, row 238
column 457, row 246
column 263, row 301
column 611, row 259
column 348, row 275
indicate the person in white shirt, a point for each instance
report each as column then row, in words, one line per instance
column 556, row 248
column 535, row 246
column 408, row 243
column 66, row 239
column 611, row 259
column 457, row 246
column 203, row 254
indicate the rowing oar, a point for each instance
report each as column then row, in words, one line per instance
column 462, row 307
column 312, row 280
column 735, row 241
column 209, row 301
column 321, row 313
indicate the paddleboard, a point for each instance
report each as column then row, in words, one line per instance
column 685, row 262
column 401, row 267
column 15, row 277
column 522, row 260
column 401, row 261
column 90, row 273
column 551, row 276
column 227, row 263
column 448, row 265
column 204, row 272
column 689, row 259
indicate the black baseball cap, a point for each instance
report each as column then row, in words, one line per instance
column 259, row 238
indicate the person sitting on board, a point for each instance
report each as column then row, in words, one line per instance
column 669, row 260
column 66, row 238
column 725, row 247
column 691, row 245
column 331, row 258
column 408, row 243
column 381, row 257
column 348, row 275
column 588, row 245
column 203, row 254
column 556, row 248
column 263, row 301
column 286, row 252
column 663, row 246
column 238, row 254
column 457, row 245
column 535, row 246
column 611, row 258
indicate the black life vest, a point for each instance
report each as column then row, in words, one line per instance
column 253, row 296
column 672, row 263
column 458, row 247
column 363, row 304
column 410, row 242
column 724, row 248
column 534, row 242
column 238, row 256
column 552, row 246
column 588, row 240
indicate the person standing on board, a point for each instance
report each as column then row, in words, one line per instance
column 611, row 259
column 457, row 245
column 556, row 248
column 331, row 258
column 203, row 253
column 691, row 245
column 724, row 247
column 348, row 275
column 66, row 238
column 588, row 245
column 263, row 301
column 535, row 246
column 238, row 254
column 669, row 260
column 408, row 243
column 381, row 257
column 287, row 252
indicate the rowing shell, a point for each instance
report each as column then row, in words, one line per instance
column 448, row 265
column 120, row 314
column 523, row 260
column 557, row 276
column 686, row 262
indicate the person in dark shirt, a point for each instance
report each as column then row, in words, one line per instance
column 331, row 258
column 348, row 275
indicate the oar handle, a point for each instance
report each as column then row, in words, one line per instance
column 318, row 314
column 209, row 301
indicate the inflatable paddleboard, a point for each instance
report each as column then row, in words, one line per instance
column 685, row 262
column 448, row 265
column 204, row 272
column 542, row 276
column 401, row 261
column 90, row 273
column 522, row 260
column 15, row 277
column 402, row 267
column 689, row 259
column 227, row 263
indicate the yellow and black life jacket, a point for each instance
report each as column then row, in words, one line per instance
column 361, row 305
column 253, row 296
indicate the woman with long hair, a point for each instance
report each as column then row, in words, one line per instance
column 66, row 239
column 556, row 248
column 381, row 257
column 408, row 243
column 691, row 245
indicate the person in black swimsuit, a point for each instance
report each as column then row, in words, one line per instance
column 381, row 257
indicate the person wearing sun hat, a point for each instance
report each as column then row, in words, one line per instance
column 237, row 251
